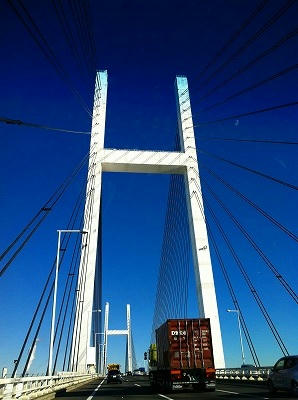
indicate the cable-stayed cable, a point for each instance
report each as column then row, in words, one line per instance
column 45, row 48
column 39, row 217
column 229, row 285
column 64, row 242
column 84, row 35
column 272, row 20
column 253, row 86
column 249, row 283
column 73, row 270
column 251, row 63
column 88, row 218
column 251, row 203
column 172, row 288
column 270, row 265
column 246, row 114
column 18, row 122
column 256, row 172
column 235, row 35
column 61, row 16
column 246, row 140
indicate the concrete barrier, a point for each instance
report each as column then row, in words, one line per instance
column 28, row 388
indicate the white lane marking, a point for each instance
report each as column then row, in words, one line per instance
column 165, row 397
column 136, row 384
column 95, row 390
column 224, row 391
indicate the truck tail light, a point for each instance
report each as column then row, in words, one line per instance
column 175, row 374
column 210, row 373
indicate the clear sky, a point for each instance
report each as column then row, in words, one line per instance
column 144, row 46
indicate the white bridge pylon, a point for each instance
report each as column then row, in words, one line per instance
column 142, row 161
column 108, row 332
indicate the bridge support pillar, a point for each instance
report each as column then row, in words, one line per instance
column 89, row 261
column 198, row 231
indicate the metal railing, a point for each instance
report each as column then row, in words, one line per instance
column 32, row 387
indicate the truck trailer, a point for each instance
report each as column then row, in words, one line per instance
column 182, row 356
column 113, row 367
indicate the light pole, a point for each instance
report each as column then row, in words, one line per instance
column 50, row 363
column 240, row 333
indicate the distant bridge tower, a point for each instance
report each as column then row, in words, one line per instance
column 135, row 161
column 107, row 332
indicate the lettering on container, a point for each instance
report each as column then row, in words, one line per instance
column 176, row 333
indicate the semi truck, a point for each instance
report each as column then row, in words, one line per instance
column 182, row 356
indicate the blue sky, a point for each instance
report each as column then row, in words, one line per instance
column 144, row 47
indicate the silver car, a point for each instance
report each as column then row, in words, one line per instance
column 284, row 375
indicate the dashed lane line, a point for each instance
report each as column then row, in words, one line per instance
column 136, row 384
column 226, row 391
column 242, row 394
column 95, row 390
column 164, row 397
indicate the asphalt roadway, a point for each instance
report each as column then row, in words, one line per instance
column 138, row 388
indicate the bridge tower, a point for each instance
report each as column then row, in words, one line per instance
column 107, row 332
column 112, row 160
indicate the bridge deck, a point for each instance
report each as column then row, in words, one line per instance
column 138, row 388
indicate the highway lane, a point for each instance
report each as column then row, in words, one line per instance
column 138, row 388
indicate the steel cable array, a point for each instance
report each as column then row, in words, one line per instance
column 254, row 171
column 81, row 288
column 247, row 140
column 283, row 40
column 246, row 114
column 251, row 203
column 172, row 287
column 229, row 285
column 12, row 251
column 247, row 279
column 271, row 21
column 233, row 37
column 271, row 266
column 36, row 34
column 18, row 122
column 256, row 85
column 47, row 287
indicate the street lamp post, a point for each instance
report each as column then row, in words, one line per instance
column 240, row 334
column 50, row 363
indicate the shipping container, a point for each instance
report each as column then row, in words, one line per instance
column 184, row 355
column 113, row 367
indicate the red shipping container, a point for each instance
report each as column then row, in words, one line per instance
column 184, row 344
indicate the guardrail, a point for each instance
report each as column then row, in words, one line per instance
column 32, row 387
column 244, row 374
